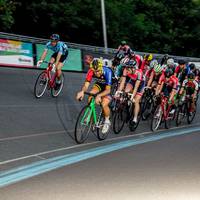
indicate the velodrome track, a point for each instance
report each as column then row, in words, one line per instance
column 35, row 130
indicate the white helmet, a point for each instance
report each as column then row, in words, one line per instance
column 170, row 62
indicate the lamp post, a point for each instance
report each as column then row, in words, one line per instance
column 104, row 25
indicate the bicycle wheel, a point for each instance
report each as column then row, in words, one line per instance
column 190, row 115
column 40, row 85
column 83, row 126
column 169, row 118
column 156, row 119
column 99, row 126
column 147, row 109
column 181, row 113
column 56, row 92
column 119, row 120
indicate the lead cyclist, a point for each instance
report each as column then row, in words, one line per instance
column 58, row 58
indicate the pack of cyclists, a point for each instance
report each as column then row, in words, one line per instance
column 133, row 74
column 136, row 74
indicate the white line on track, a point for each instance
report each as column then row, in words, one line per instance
column 86, row 144
column 32, row 135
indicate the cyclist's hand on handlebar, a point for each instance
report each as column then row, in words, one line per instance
column 39, row 63
column 80, row 96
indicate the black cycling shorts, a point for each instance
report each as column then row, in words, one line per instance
column 63, row 57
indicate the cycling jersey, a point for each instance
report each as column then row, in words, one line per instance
column 60, row 47
column 105, row 79
column 190, row 86
column 182, row 73
column 126, row 49
column 143, row 65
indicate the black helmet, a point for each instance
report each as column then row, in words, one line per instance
column 191, row 75
column 168, row 72
column 192, row 66
column 55, row 37
column 181, row 62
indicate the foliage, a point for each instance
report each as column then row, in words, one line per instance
column 162, row 26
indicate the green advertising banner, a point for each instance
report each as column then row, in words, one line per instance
column 73, row 61
column 16, row 53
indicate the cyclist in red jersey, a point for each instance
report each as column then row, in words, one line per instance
column 146, row 62
column 154, row 74
column 135, row 86
column 168, row 84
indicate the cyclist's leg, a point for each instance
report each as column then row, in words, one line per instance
column 106, row 110
column 137, row 106
column 95, row 89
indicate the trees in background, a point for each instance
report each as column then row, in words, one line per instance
column 162, row 26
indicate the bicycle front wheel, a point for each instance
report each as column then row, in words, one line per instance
column 156, row 119
column 41, row 85
column 83, row 125
column 99, row 126
column 56, row 91
column 119, row 121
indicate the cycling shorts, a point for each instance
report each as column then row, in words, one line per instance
column 63, row 57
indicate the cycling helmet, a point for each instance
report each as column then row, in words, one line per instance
column 55, row 37
column 97, row 64
column 191, row 76
column 181, row 62
column 148, row 57
column 168, row 72
column 157, row 68
column 123, row 42
column 170, row 62
column 192, row 66
column 153, row 63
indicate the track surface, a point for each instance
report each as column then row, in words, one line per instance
column 35, row 129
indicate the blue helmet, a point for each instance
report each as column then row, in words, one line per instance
column 55, row 37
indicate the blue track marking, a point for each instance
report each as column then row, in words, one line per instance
column 37, row 168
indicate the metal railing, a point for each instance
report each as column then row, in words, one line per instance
column 23, row 38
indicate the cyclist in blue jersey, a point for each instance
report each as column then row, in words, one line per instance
column 59, row 56
column 102, row 87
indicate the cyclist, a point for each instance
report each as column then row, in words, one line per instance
column 102, row 86
column 182, row 70
column 154, row 74
column 59, row 56
column 135, row 85
column 190, row 87
column 124, row 48
column 146, row 62
column 168, row 84
column 164, row 59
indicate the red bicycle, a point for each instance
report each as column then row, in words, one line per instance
column 47, row 80
column 164, row 113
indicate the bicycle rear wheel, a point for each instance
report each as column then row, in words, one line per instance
column 83, row 125
column 190, row 115
column 56, row 92
column 41, row 85
column 156, row 119
column 181, row 113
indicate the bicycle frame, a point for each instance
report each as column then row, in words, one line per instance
column 163, row 106
column 92, row 110
column 51, row 78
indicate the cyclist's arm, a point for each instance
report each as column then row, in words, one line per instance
column 150, row 79
column 123, row 80
column 44, row 54
column 173, row 92
column 159, row 88
column 85, row 86
column 137, row 84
